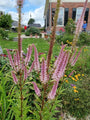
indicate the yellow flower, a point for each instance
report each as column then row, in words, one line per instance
column 66, row 81
column 74, row 87
column 76, row 99
column 72, row 78
column 75, row 91
column 82, row 74
column 65, row 75
column 78, row 74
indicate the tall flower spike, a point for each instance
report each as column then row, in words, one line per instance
column 37, row 91
column 28, row 56
column 52, row 94
column 32, row 66
column 58, row 59
column 19, row 2
column 43, row 75
column 74, row 60
column 14, row 77
column 18, row 59
column 36, row 64
column 80, row 21
column 10, row 59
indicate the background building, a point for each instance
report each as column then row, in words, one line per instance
column 68, row 9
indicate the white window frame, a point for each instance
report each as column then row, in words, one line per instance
column 59, row 16
column 78, row 14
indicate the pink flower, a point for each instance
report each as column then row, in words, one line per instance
column 43, row 75
column 32, row 66
column 37, row 91
column 52, row 94
column 10, row 59
column 62, row 61
column 28, row 56
column 73, row 61
column 25, row 73
column 14, row 77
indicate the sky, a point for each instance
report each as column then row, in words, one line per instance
column 33, row 8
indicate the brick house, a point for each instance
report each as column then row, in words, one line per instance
column 68, row 9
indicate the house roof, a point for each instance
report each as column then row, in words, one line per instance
column 34, row 25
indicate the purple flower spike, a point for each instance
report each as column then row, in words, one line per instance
column 52, row 94
column 10, row 59
column 14, row 77
column 31, row 68
column 43, row 75
column 37, row 91
column 25, row 73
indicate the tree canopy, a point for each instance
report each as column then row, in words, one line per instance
column 6, row 21
column 31, row 21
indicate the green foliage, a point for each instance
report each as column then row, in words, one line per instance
column 5, row 21
column 64, row 38
column 3, row 33
column 77, row 104
column 31, row 21
column 84, row 39
column 33, row 31
column 70, row 26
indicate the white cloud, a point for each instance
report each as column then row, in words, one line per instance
column 7, row 4
column 36, row 14
column 37, row 2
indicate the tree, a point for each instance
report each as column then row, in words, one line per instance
column 6, row 21
column 31, row 21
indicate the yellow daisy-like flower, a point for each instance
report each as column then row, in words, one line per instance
column 65, row 75
column 66, row 81
column 78, row 74
column 75, row 91
column 72, row 78
column 74, row 87
column 76, row 99
column 82, row 74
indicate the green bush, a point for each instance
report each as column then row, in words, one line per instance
column 70, row 26
column 22, row 30
column 64, row 38
column 33, row 31
column 84, row 39
column 3, row 33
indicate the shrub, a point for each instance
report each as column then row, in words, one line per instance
column 33, row 31
column 22, row 30
column 84, row 39
column 66, row 38
column 3, row 33
column 70, row 26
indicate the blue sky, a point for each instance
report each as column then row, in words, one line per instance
column 35, row 8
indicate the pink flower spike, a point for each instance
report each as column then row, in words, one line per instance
column 52, row 94
column 19, row 2
column 28, row 56
column 74, row 61
column 18, row 59
column 71, row 73
column 31, row 68
column 14, row 77
column 59, row 57
column 37, row 91
column 10, row 59
column 37, row 64
column 72, row 58
column 43, row 75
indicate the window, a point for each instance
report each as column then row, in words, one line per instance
column 86, row 15
column 66, row 16
column 74, row 13
column 60, row 20
column 78, row 13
